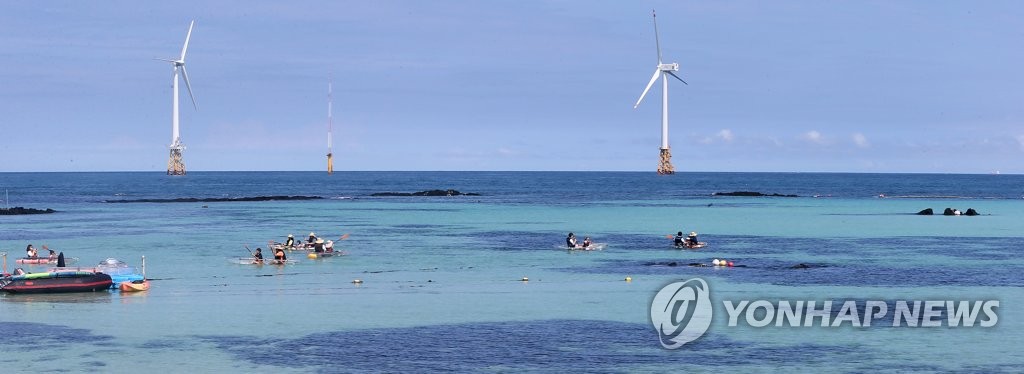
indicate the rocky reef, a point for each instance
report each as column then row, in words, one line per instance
column 21, row 210
column 214, row 199
column 448, row 192
column 750, row 194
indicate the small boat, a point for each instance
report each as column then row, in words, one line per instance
column 56, row 282
column 43, row 260
column 118, row 271
column 135, row 286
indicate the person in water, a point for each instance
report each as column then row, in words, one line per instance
column 691, row 241
column 279, row 256
column 570, row 241
column 290, row 242
column 258, row 256
column 679, row 240
column 30, row 252
column 587, row 242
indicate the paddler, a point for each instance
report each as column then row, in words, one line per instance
column 312, row 239
column 570, row 241
column 30, row 252
column 679, row 240
column 691, row 241
column 318, row 247
column 290, row 242
column 258, row 256
column 279, row 256
column 587, row 242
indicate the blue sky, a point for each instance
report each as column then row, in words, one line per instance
column 841, row 86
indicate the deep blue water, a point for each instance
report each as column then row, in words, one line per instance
column 507, row 187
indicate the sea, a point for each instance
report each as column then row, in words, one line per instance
column 483, row 283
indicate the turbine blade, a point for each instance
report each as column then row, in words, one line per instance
column 164, row 59
column 649, row 84
column 677, row 77
column 657, row 42
column 187, row 37
column 184, row 74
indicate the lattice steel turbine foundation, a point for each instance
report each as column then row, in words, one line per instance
column 175, row 166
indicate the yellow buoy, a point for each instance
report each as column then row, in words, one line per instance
column 311, row 255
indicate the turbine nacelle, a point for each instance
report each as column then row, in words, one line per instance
column 668, row 67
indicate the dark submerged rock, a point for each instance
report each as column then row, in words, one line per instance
column 971, row 212
column 806, row 266
column 448, row 192
column 751, row 194
column 215, row 199
column 21, row 210
column 926, row 212
column 947, row 212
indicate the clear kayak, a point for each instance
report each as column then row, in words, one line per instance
column 252, row 261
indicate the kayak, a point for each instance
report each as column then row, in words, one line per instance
column 315, row 255
column 592, row 247
column 135, row 286
column 44, row 260
column 699, row 245
column 251, row 261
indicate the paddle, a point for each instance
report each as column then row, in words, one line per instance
column 343, row 237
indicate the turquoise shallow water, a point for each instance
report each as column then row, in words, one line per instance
column 442, row 287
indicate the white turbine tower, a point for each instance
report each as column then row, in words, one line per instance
column 174, row 165
column 662, row 70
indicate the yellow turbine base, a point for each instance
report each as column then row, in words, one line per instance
column 330, row 164
column 665, row 165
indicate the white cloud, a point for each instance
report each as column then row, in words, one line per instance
column 726, row 135
column 860, row 140
column 814, row 136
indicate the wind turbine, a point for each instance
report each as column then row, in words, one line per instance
column 174, row 165
column 663, row 70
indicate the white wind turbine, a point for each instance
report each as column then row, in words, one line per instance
column 175, row 166
column 662, row 70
